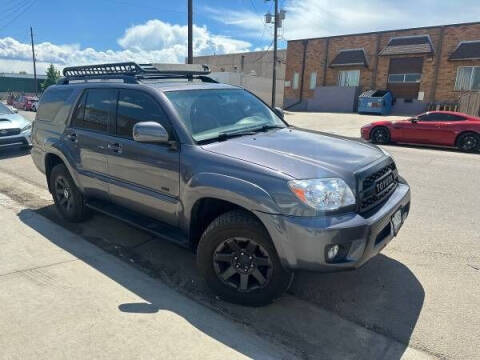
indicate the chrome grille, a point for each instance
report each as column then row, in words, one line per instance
column 9, row 132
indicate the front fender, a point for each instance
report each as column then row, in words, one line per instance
column 223, row 187
column 239, row 192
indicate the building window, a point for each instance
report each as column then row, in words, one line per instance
column 313, row 80
column 349, row 78
column 296, row 76
column 468, row 78
column 404, row 78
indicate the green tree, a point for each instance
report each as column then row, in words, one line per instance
column 52, row 77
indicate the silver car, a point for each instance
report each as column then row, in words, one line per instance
column 14, row 128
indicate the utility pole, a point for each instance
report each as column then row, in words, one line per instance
column 278, row 17
column 190, row 32
column 34, row 63
column 275, row 35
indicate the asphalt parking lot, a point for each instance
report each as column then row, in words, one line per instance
column 418, row 299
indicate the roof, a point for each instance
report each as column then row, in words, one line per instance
column 22, row 76
column 350, row 57
column 418, row 44
column 466, row 50
column 389, row 31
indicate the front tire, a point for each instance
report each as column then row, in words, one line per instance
column 380, row 135
column 68, row 199
column 239, row 262
column 468, row 142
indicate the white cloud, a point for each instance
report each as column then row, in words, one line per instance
column 315, row 18
column 154, row 41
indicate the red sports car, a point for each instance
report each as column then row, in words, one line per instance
column 442, row 128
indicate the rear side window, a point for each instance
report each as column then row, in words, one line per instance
column 94, row 110
column 54, row 105
column 135, row 106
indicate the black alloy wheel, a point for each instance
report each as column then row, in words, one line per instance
column 68, row 199
column 242, row 264
column 64, row 194
column 239, row 261
column 380, row 135
column 469, row 142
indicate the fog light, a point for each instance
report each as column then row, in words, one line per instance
column 332, row 252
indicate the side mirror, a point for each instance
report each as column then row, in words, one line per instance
column 279, row 112
column 150, row 132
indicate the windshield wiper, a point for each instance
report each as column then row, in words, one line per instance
column 227, row 135
column 249, row 131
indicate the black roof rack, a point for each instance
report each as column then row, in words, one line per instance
column 131, row 72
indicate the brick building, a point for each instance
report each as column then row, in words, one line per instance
column 422, row 66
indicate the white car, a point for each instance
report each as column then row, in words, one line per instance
column 14, row 128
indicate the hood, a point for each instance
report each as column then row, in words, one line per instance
column 300, row 154
column 12, row 121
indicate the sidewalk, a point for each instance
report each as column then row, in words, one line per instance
column 63, row 298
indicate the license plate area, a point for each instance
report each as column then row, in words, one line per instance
column 397, row 221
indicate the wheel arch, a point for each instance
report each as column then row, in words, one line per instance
column 464, row 132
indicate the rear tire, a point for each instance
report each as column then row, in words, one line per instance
column 468, row 142
column 239, row 261
column 68, row 199
column 380, row 135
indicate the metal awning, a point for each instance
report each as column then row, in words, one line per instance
column 350, row 57
column 418, row 44
column 466, row 50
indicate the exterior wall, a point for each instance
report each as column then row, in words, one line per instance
column 259, row 62
column 19, row 83
column 448, row 69
column 435, row 66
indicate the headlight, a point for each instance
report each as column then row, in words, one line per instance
column 26, row 128
column 323, row 194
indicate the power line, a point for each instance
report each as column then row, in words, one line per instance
column 22, row 11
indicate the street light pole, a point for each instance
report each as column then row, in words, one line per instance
column 34, row 63
column 275, row 34
column 190, row 32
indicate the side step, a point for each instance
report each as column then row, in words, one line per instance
column 148, row 224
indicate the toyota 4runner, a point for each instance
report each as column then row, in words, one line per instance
column 211, row 167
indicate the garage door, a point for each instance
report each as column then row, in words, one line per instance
column 404, row 76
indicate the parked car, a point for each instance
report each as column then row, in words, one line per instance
column 443, row 128
column 23, row 102
column 34, row 106
column 211, row 167
column 14, row 128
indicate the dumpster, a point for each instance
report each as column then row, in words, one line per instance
column 375, row 101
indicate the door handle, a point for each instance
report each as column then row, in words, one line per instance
column 116, row 148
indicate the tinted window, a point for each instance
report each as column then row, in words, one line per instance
column 53, row 105
column 96, row 110
column 135, row 106
column 441, row 117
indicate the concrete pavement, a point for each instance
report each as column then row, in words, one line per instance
column 63, row 298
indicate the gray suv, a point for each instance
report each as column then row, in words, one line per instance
column 209, row 166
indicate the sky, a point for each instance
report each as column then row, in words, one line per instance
column 70, row 32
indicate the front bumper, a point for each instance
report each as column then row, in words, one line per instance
column 365, row 133
column 301, row 242
column 24, row 138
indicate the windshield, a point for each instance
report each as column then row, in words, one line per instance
column 5, row 110
column 209, row 114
